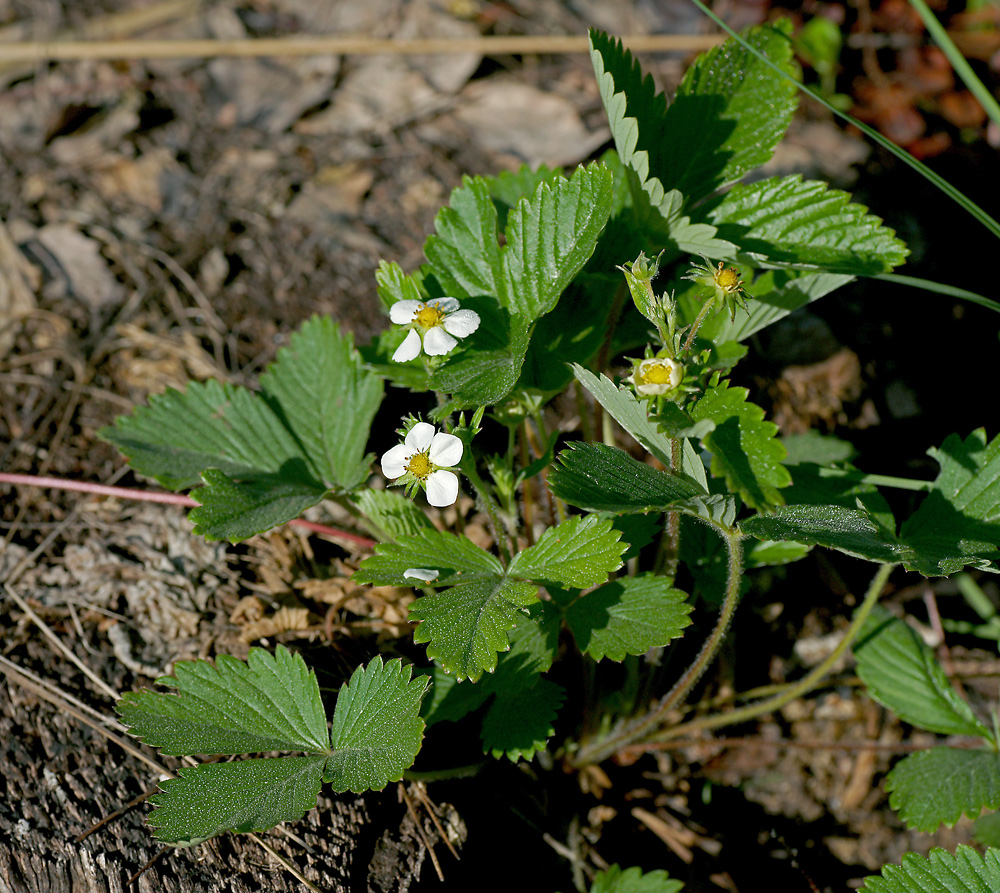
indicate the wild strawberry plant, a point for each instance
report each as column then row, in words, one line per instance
column 633, row 284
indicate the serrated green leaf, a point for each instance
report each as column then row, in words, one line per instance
column 245, row 796
column 392, row 513
column 633, row 880
column 986, row 829
column 457, row 559
column 940, row 872
column 744, row 448
column 507, row 187
column 633, row 415
column 598, row 477
column 772, row 554
column 235, row 511
column 209, row 425
column 484, row 373
column 449, row 700
column 467, row 625
column 377, row 729
column 324, row 396
column 580, row 552
column 936, row 787
column 628, row 616
column 788, row 220
column 732, row 111
column 900, row 672
column 271, row 702
column 393, row 285
column 958, row 524
column 551, row 236
column 520, row 726
column 851, row 531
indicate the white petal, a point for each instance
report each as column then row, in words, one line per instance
column 421, row 573
column 461, row 323
column 403, row 312
column 445, row 305
column 446, row 450
column 419, row 437
column 437, row 342
column 394, row 460
column 409, row 349
column 442, row 488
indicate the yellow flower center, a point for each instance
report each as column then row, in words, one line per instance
column 419, row 465
column 429, row 316
column 657, row 373
column 728, row 279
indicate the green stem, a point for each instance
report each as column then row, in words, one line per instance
column 878, row 480
column 641, row 727
column 699, row 319
column 500, row 532
column 806, row 684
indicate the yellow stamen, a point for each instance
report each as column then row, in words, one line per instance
column 728, row 278
column 657, row 374
column 419, row 465
column 429, row 316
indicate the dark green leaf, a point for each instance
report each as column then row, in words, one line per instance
column 940, row 872
column 271, row 702
column 628, row 616
column 580, row 552
column 936, row 787
column 249, row 795
column 900, row 672
column 457, row 559
column 632, row 880
column 377, row 729
column 520, row 726
column 392, row 513
column 597, row 477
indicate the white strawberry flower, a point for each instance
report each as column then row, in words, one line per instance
column 422, row 459
column 657, row 375
column 435, row 325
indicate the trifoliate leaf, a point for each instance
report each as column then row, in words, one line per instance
column 580, row 552
column 391, row 513
column 632, row 880
column 238, row 510
column 290, row 438
column 743, row 445
column 940, row 872
column 628, row 616
column 271, row 702
column 248, row 795
column 377, row 729
column 520, row 726
column 598, row 478
column 732, row 110
column 958, row 524
column 788, row 220
column 467, row 625
column 457, row 559
column 901, row 673
column 936, row 787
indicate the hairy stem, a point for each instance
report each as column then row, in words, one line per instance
column 641, row 727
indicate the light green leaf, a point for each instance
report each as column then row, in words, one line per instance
column 550, row 237
column 377, row 729
column 393, row 285
column 520, row 726
column 457, row 559
column 320, row 390
column 940, row 872
column 464, row 253
column 633, row 415
column 392, row 513
column 628, row 616
column 816, row 448
column 788, row 220
column 238, row 510
column 743, row 445
column 580, row 552
column 900, row 672
column 598, row 478
column 271, row 702
column 507, row 187
column 986, row 829
column 245, row 796
column 632, row 880
column 730, row 112
column 958, row 524
column 467, row 625
column 936, row 787
column 771, row 554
